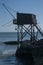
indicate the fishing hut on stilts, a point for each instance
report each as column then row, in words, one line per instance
column 26, row 24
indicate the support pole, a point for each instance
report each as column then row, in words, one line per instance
column 21, row 32
column 31, row 33
column 18, row 34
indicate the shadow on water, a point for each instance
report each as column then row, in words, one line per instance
column 26, row 60
column 13, row 60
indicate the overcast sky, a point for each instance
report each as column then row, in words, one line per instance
column 22, row 6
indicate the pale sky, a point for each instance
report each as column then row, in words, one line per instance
column 22, row 6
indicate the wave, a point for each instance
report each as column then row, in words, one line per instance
column 8, row 53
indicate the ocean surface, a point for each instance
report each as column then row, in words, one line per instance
column 7, row 52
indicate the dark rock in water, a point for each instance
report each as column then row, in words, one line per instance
column 25, row 53
column 11, row 42
column 32, row 52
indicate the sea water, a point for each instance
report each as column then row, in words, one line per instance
column 7, row 56
column 7, row 52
